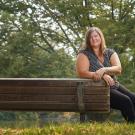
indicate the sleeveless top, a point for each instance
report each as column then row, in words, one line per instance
column 94, row 62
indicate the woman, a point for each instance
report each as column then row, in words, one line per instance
column 97, row 62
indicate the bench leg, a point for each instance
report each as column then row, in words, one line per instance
column 42, row 119
column 82, row 117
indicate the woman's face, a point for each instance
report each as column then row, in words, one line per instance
column 95, row 40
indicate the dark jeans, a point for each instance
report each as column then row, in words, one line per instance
column 124, row 100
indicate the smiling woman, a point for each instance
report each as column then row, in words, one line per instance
column 97, row 62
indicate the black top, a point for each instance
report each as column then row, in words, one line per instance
column 95, row 64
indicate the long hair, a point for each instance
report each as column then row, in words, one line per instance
column 87, row 43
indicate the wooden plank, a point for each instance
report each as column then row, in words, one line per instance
column 35, row 97
column 53, row 98
column 52, row 90
column 37, row 83
column 102, row 90
column 96, row 99
column 47, row 82
column 51, row 107
column 35, row 90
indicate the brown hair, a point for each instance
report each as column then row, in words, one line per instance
column 87, row 39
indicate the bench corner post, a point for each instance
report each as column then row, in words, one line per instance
column 82, row 117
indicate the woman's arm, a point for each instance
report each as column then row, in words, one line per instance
column 115, row 68
column 82, row 68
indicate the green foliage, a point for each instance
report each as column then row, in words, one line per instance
column 7, row 116
column 128, row 75
column 31, row 63
column 18, row 116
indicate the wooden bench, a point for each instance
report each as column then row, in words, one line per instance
column 54, row 94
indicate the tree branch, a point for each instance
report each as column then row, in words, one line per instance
column 54, row 17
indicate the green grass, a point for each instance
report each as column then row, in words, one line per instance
column 94, row 128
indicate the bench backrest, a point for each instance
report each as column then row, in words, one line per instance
column 54, row 94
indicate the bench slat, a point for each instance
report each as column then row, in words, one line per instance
column 30, row 106
column 12, row 82
column 55, row 98
column 52, row 90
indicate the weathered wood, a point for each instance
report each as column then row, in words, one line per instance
column 52, row 94
column 46, row 106
column 50, row 90
column 36, row 82
column 54, row 98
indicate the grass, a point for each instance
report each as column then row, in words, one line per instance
column 93, row 128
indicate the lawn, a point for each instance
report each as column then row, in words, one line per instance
column 93, row 128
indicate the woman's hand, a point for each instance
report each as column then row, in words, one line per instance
column 100, row 72
column 96, row 76
column 109, row 80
